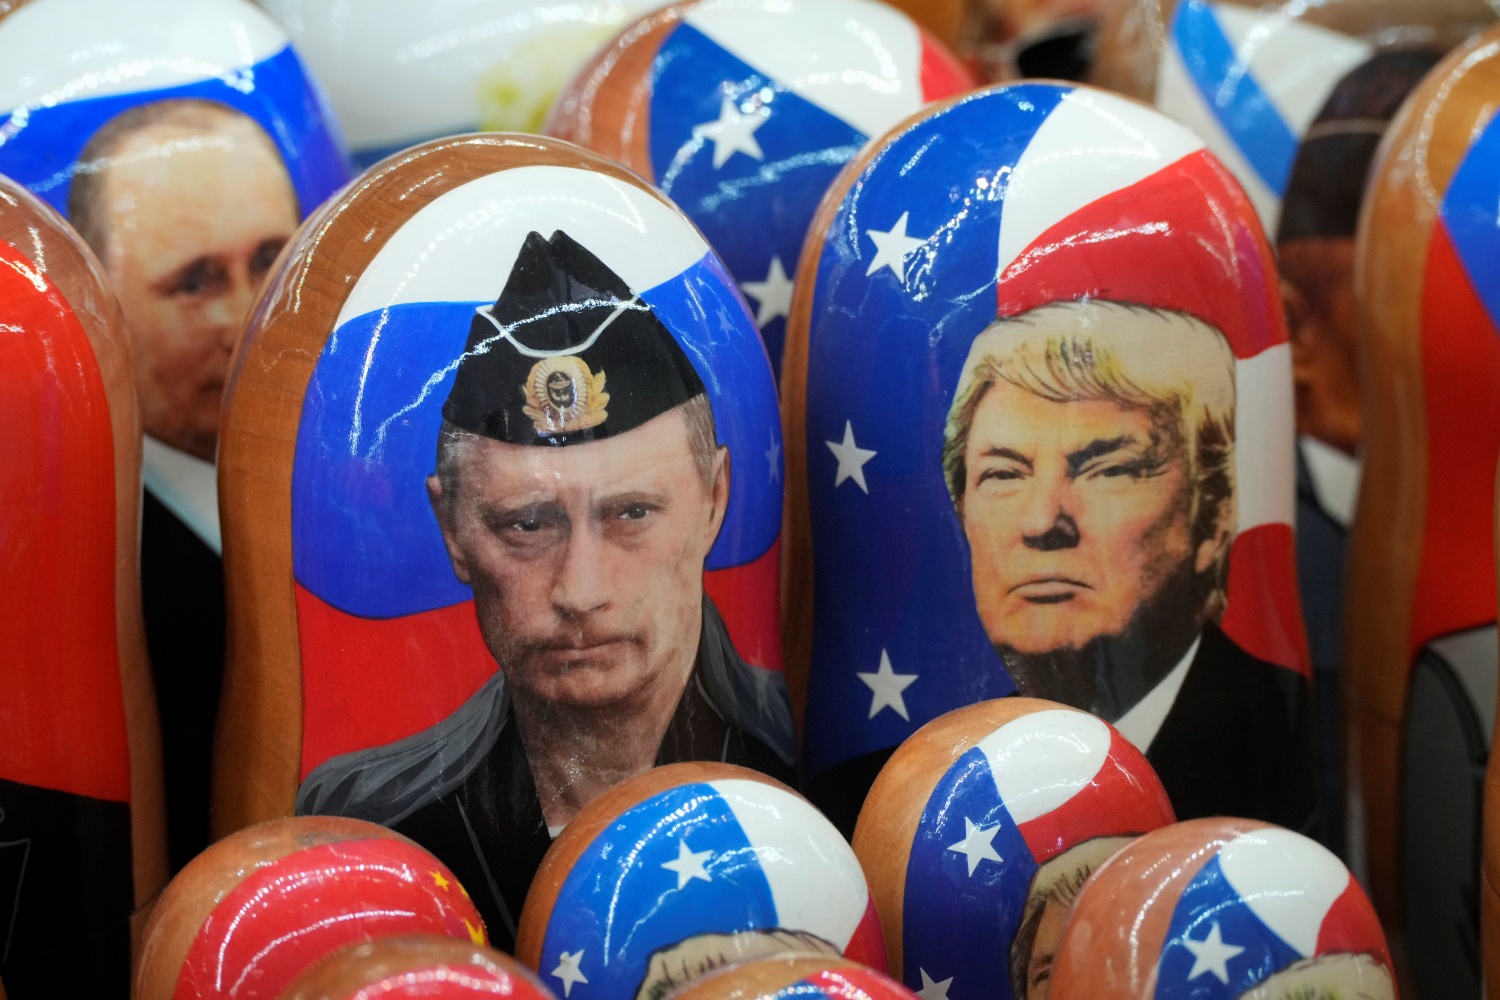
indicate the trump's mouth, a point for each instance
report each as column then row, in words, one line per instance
column 1048, row 589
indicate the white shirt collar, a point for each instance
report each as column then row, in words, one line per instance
column 1141, row 724
column 187, row 486
column 1335, row 478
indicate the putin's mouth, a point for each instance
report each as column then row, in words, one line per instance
column 1048, row 589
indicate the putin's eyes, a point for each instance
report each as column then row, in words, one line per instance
column 200, row 277
column 264, row 256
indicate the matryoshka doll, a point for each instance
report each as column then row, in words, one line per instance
column 981, row 830
column 184, row 142
column 250, row 915
column 1074, row 481
column 813, row 977
column 1420, row 655
column 82, row 844
column 502, row 501
column 417, row 967
column 399, row 73
column 743, row 111
column 1294, row 99
column 1221, row 909
column 686, row 868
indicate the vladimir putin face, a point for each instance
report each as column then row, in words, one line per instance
column 188, row 215
column 1076, row 514
column 586, row 561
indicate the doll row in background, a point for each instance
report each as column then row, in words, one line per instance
column 785, row 395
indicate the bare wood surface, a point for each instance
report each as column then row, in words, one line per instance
column 592, row 821
column 198, row 888
column 1422, row 150
column 258, row 748
column 607, row 107
column 56, row 250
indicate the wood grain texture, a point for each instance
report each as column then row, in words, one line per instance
column 198, row 888
column 893, row 810
column 761, row 978
column 607, row 107
column 1422, row 150
column 55, row 249
column 1110, row 944
column 260, row 721
column 342, row 975
column 592, row 821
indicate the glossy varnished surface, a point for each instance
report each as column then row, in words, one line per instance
column 416, row 966
column 751, row 869
column 260, row 907
column 1221, row 908
column 983, row 818
column 742, row 112
column 816, row 977
column 1420, row 559
column 82, row 719
column 897, row 311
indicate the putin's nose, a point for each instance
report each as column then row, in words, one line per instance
column 580, row 585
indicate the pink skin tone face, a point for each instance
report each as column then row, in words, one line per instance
column 586, row 560
column 1075, row 514
column 194, row 222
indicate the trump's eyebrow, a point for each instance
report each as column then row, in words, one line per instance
column 1010, row 453
column 1096, row 448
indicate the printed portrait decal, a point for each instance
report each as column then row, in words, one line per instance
column 1054, row 339
column 534, row 533
column 185, row 175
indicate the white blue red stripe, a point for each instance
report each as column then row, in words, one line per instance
column 759, row 858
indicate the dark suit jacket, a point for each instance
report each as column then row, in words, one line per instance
column 463, row 789
column 182, row 597
column 1238, row 740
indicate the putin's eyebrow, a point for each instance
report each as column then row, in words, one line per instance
column 1010, row 453
column 1095, row 449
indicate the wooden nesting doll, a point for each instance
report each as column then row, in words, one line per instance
column 82, row 844
column 1489, row 872
column 1294, row 99
column 399, row 73
column 184, row 142
column 981, row 829
column 259, row 908
column 1218, row 909
column 743, row 111
column 417, row 967
column 1420, row 642
column 1074, row 481
column 683, row 869
column 501, row 484
column 1010, row 39
column 814, row 977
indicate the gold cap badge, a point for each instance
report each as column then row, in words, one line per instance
column 563, row 396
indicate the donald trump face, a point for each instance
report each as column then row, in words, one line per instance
column 1097, row 511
